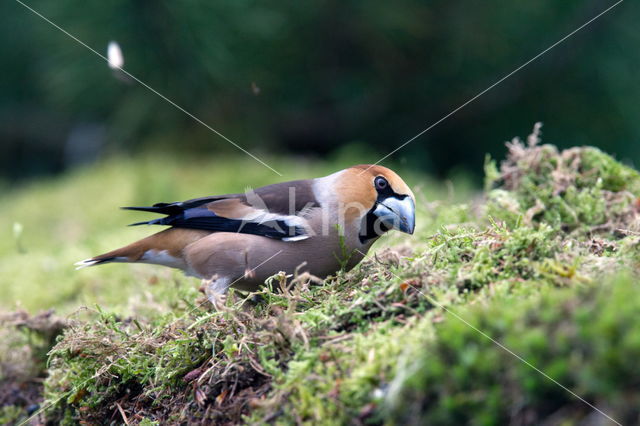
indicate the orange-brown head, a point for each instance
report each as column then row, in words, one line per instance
column 379, row 196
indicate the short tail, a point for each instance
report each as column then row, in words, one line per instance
column 131, row 253
column 163, row 248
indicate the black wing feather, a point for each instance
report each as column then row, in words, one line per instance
column 175, row 208
column 192, row 215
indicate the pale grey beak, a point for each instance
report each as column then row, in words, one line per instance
column 397, row 214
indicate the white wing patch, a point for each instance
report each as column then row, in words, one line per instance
column 260, row 214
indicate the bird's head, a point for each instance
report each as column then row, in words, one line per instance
column 378, row 197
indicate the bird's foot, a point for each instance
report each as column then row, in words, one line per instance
column 215, row 290
column 217, row 300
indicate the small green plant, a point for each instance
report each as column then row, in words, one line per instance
column 345, row 254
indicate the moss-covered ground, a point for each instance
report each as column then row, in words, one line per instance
column 482, row 317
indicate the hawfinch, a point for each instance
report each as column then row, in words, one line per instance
column 239, row 240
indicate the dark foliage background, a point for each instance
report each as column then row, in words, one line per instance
column 314, row 77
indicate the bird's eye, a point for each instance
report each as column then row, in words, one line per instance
column 381, row 183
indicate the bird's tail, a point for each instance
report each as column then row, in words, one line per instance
column 131, row 253
column 165, row 247
column 94, row 261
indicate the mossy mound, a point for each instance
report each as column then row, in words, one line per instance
column 404, row 336
column 578, row 189
column 585, row 338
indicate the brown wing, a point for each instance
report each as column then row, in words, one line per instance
column 271, row 211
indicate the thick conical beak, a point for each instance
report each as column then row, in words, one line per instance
column 397, row 213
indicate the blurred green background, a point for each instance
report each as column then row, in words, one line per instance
column 312, row 87
column 313, row 78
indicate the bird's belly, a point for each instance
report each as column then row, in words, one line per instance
column 248, row 260
column 290, row 262
column 165, row 258
column 162, row 257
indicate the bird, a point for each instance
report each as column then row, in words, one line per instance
column 319, row 226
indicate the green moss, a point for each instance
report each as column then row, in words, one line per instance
column 97, row 363
column 580, row 189
column 615, row 176
column 11, row 414
column 525, row 264
column 585, row 338
column 473, row 259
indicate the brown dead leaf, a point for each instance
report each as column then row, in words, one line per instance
column 220, row 398
column 192, row 375
column 78, row 396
